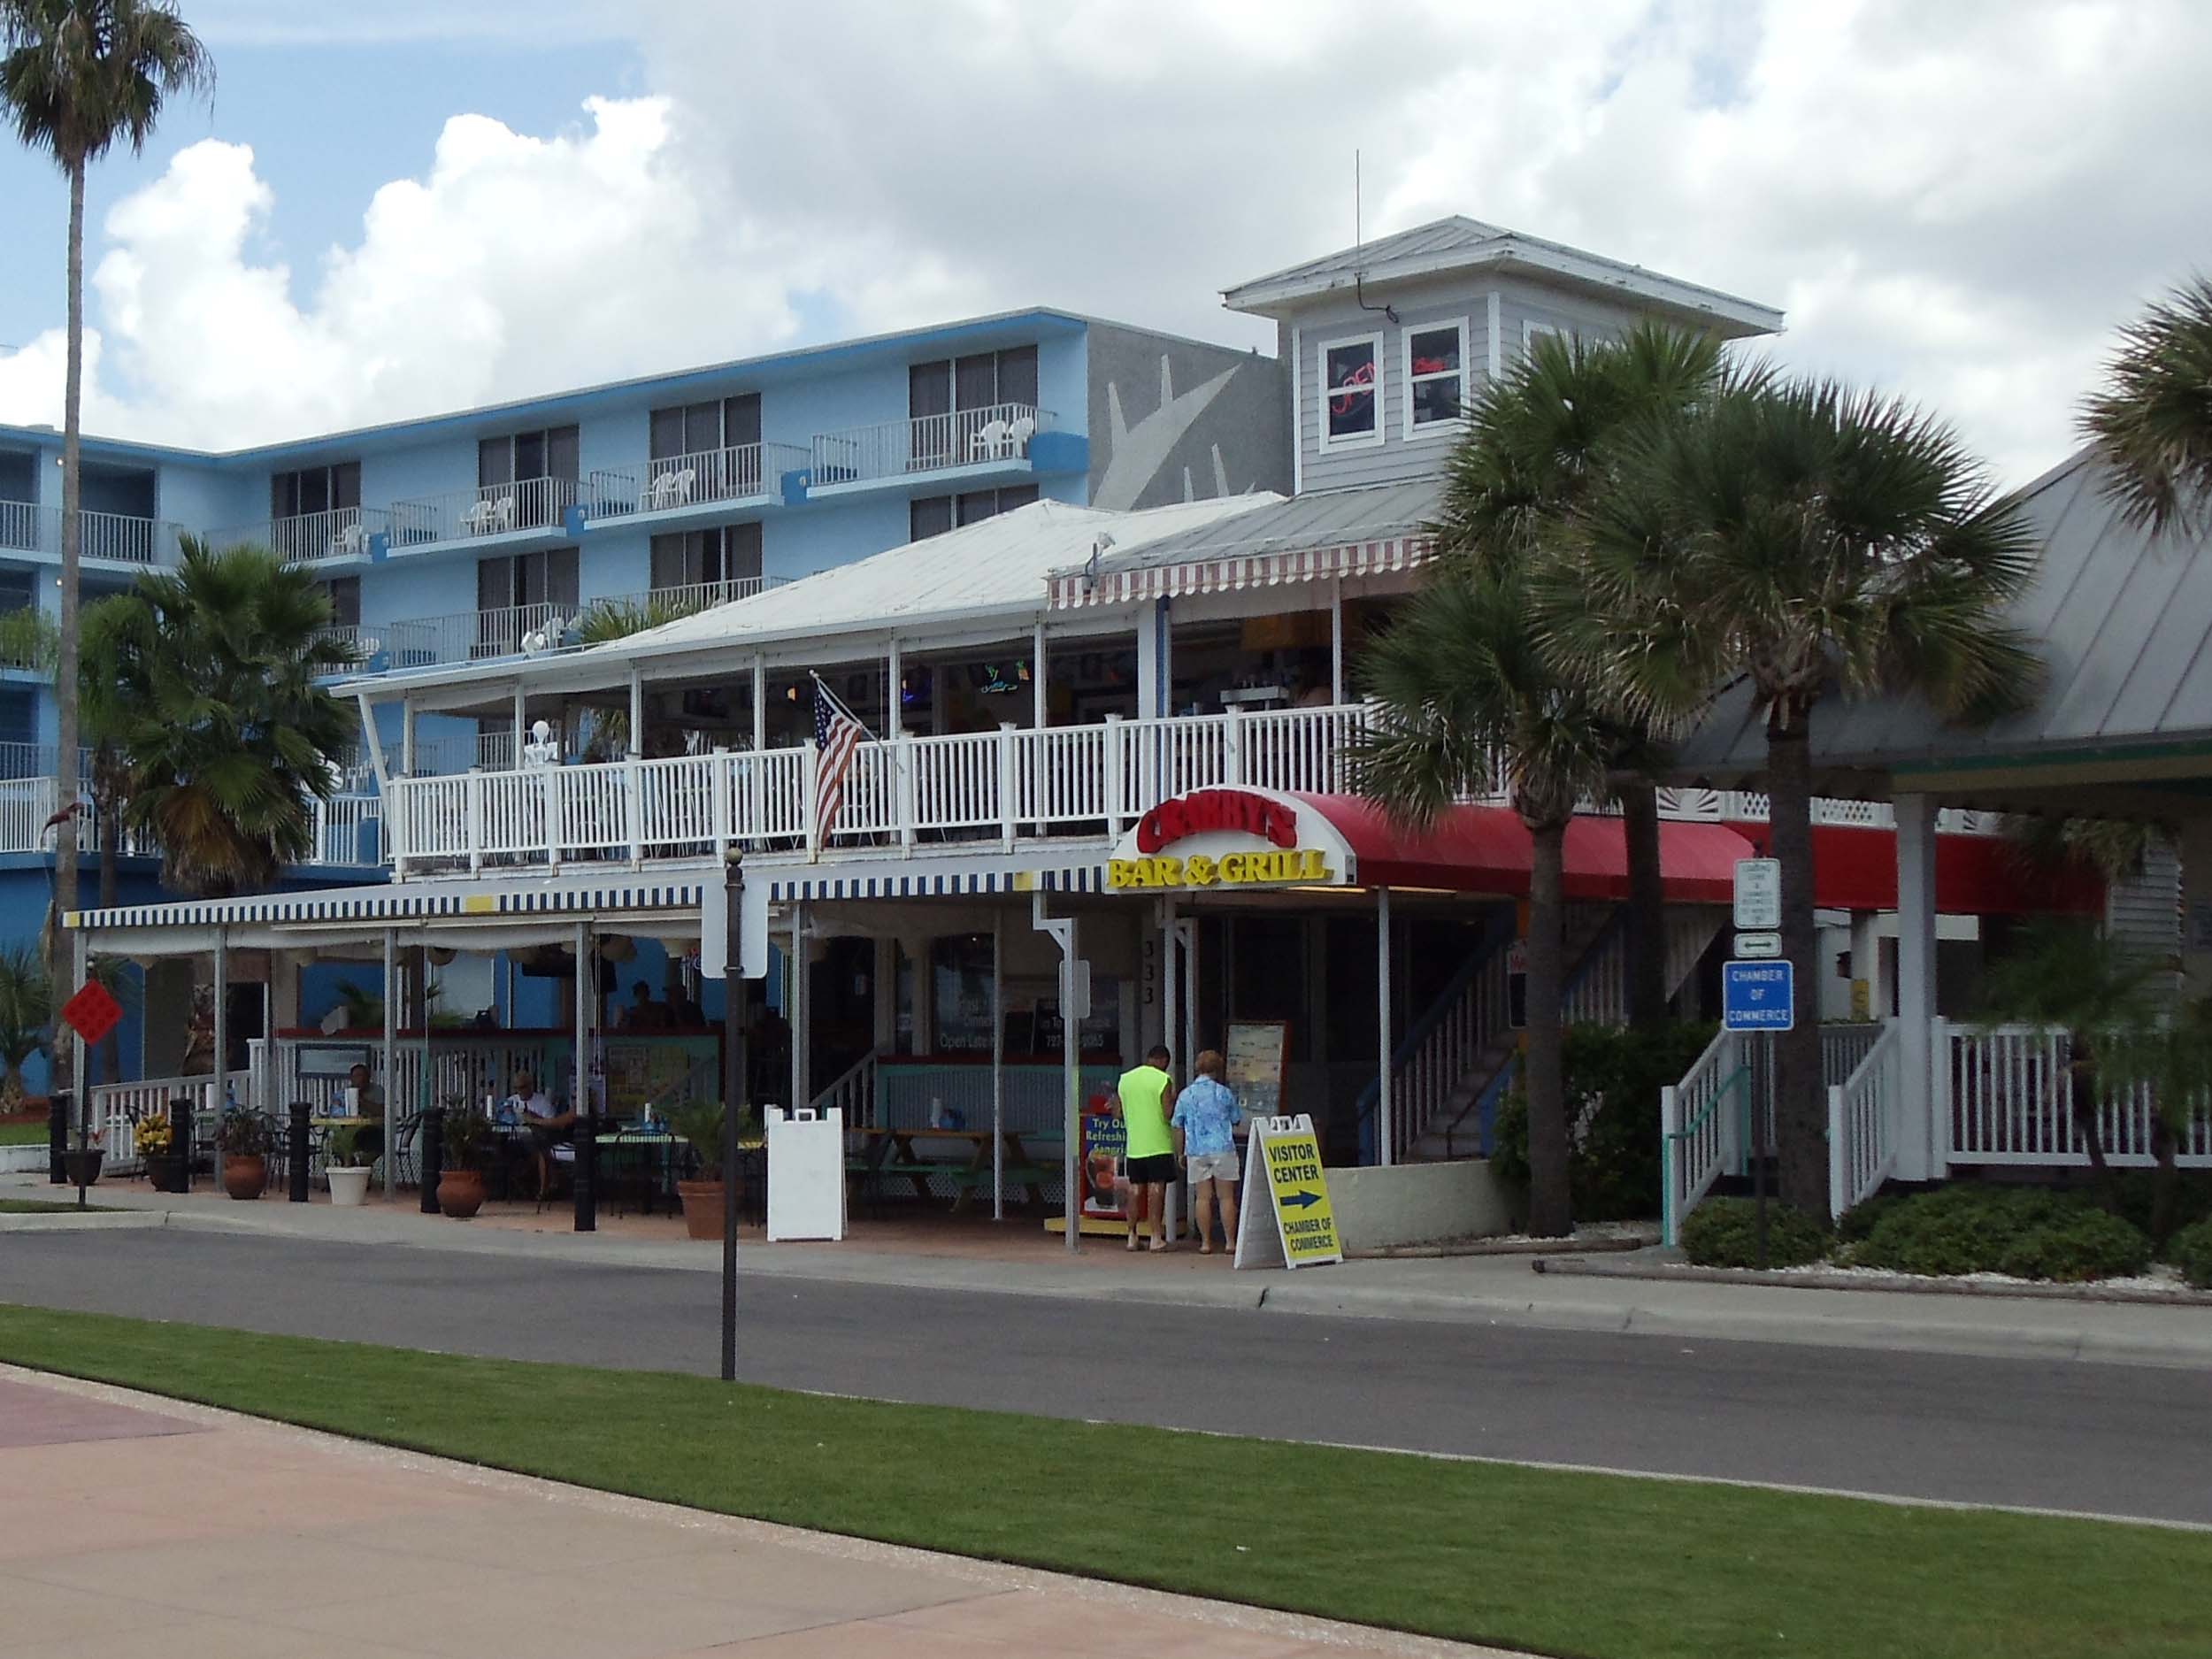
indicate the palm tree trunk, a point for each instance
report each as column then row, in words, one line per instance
column 2166, row 1182
column 1550, row 1204
column 2081, row 1097
column 1801, row 1117
column 111, row 833
column 66, row 664
column 1647, row 906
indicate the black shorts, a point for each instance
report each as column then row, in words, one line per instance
column 1152, row 1171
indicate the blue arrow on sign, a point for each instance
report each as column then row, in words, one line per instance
column 1302, row 1198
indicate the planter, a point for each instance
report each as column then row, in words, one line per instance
column 83, row 1167
column 461, row 1192
column 702, row 1208
column 165, row 1174
column 350, row 1186
column 244, row 1177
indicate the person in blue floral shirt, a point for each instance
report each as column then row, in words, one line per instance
column 1206, row 1113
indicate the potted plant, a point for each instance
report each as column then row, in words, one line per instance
column 83, row 1163
column 348, row 1165
column 244, row 1140
column 700, row 1123
column 465, row 1137
column 155, row 1141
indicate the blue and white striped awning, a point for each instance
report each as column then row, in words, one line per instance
column 399, row 903
column 832, row 883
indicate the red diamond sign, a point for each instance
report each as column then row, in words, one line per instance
column 92, row 1012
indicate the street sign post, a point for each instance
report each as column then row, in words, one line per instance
column 1758, row 947
column 1758, row 996
column 1758, row 894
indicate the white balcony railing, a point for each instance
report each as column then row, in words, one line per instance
column 309, row 538
column 117, row 538
column 895, row 449
column 347, row 829
column 744, row 472
column 469, row 515
column 466, row 636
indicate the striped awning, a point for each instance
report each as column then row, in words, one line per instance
column 832, row 882
column 400, row 903
column 1229, row 573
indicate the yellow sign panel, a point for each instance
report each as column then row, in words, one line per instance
column 1300, row 1192
column 1305, row 864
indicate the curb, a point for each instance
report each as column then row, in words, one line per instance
column 86, row 1221
column 1568, row 1267
column 1500, row 1247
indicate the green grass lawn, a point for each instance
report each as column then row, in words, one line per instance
column 1606, row 1566
column 23, row 1134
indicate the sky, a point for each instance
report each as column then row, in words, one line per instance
column 427, row 204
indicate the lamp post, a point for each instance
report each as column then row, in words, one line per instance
column 734, row 1075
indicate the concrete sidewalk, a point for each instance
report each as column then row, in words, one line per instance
column 133, row 1526
column 1017, row 1258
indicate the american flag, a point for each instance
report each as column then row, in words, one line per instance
column 837, row 736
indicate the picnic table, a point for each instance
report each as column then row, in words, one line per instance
column 908, row 1152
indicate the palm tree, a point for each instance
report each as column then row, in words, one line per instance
column 27, row 1016
column 609, row 619
column 2152, row 426
column 1535, row 443
column 77, row 75
column 1463, row 690
column 222, row 730
column 1810, row 539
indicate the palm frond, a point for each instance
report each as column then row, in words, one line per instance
column 2152, row 424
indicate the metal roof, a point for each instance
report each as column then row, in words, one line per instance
column 2123, row 622
column 1459, row 243
column 1309, row 537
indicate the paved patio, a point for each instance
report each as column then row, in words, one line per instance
column 133, row 1526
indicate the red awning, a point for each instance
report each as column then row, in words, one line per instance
column 1487, row 850
column 1855, row 869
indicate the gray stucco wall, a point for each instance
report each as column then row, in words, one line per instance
column 1176, row 421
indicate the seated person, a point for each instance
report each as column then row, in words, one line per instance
column 368, row 1102
column 548, row 1127
column 644, row 1014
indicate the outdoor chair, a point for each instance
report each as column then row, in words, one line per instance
column 988, row 442
column 406, row 1166
column 1019, row 434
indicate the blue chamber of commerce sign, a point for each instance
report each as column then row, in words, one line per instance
column 1757, row 996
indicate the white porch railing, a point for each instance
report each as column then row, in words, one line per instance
column 893, row 449
column 688, row 596
column 2002, row 1097
column 1864, row 1124
column 465, row 636
column 116, row 1108
column 1006, row 784
column 121, row 538
column 309, row 538
column 346, row 828
column 744, row 472
column 467, row 515
column 1699, row 1121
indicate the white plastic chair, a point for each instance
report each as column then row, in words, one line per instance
column 1019, row 434
column 989, row 438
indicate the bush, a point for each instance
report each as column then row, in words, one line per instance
column 1857, row 1223
column 1725, row 1233
column 1613, row 1076
column 2030, row 1232
column 2093, row 1244
column 2193, row 1196
column 2190, row 1250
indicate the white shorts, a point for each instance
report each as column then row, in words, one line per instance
column 1213, row 1166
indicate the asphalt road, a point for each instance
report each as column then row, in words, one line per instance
column 2104, row 1439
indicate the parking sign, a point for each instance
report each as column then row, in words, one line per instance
column 1758, row 995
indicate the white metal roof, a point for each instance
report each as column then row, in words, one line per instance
column 999, row 565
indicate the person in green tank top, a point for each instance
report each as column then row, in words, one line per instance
column 1145, row 1097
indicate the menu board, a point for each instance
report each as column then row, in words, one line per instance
column 1256, row 1054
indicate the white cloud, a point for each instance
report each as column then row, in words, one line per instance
column 1957, row 202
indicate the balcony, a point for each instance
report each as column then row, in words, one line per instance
column 1006, row 787
column 471, row 636
column 514, row 517
column 984, row 442
column 682, row 489
column 340, row 535
column 110, row 538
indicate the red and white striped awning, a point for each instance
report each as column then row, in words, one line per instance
column 1272, row 568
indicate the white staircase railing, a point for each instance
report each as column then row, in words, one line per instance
column 1863, row 1123
column 1699, row 1121
column 1470, row 1027
column 853, row 1093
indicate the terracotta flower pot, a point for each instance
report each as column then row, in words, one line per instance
column 245, row 1177
column 461, row 1192
column 702, row 1208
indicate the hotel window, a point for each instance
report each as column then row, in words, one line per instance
column 1351, row 388
column 950, row 402
column 315, row 490
column 719, row 423
column 344, row 594
column 727, row 553
column 1533, row 331
column 1436, row 378
column 523, row 458
column 934, row 515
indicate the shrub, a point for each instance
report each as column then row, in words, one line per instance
column 1861, row 1220
column 2190, row 1250
column 1613, row 1076
column 2193, row 1196
column 2091, row 1244
column 1725, row 1233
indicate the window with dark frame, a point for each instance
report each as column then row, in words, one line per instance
column 934, row 515
column 724, row 553
column 702, row 428
column 314, row 489
column 344, row 594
